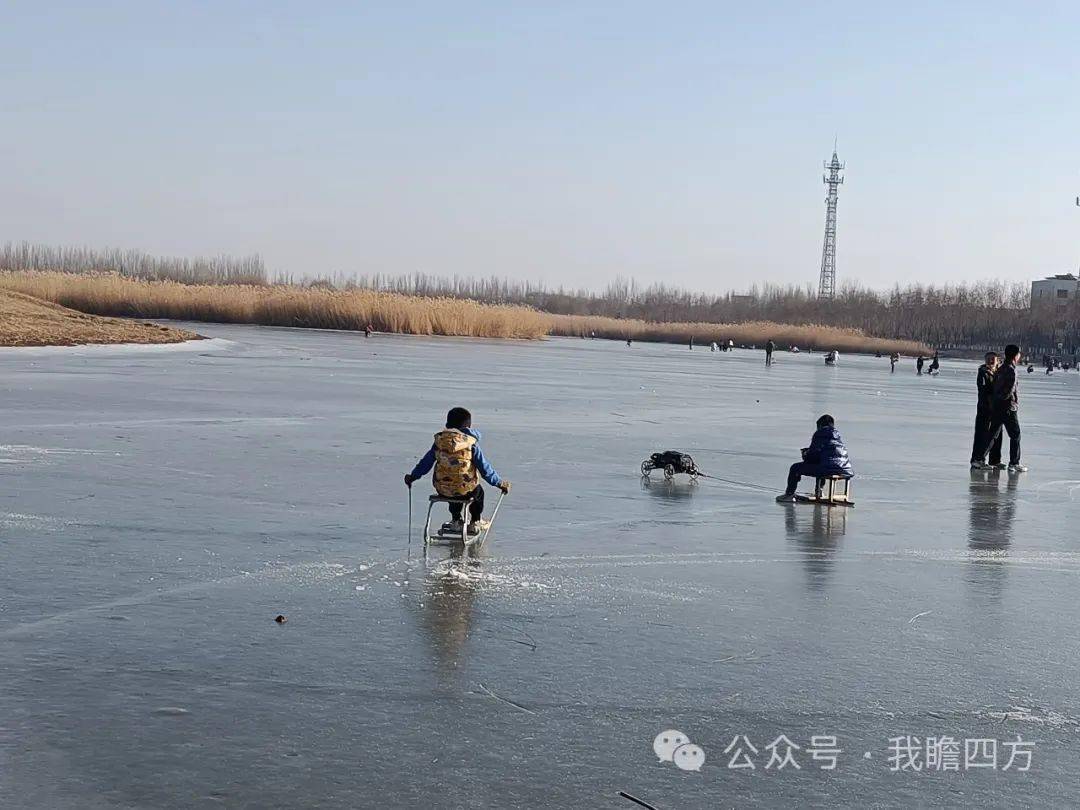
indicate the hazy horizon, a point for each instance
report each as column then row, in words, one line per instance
column 554, row 143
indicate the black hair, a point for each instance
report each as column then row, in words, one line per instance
column 1012, row 351
column 458, row 418
column 825, row 421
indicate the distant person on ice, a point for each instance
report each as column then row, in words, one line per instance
column 893, row 358
column 770, row 347
column 934, row 364
column 984, row 414
column 826, row 455
column 459, row 463
column 919, row 364
column 1006, row 406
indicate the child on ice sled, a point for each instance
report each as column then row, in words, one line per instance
column 459, row 463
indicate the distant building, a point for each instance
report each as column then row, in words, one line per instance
column 1059, row 290
column 1053, row 298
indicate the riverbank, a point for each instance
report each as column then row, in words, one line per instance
column 355, row 309
column 28, row 321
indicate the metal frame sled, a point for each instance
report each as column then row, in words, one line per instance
column 833, row 497
column 441, row 537
column 672, row 462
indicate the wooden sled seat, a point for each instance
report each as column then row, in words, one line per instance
column 831, row 490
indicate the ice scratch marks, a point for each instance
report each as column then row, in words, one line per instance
column 304, row 573
column 40, row 523
column 29, row 454
column 507, row 701
column 918, row 616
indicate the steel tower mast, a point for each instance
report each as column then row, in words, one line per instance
column 827, row 285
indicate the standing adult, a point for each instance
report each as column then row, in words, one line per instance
column 984, row 415
column 893, row 358
column 770, row 347
column 1006, row 407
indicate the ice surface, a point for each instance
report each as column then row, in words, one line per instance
column 160, row 508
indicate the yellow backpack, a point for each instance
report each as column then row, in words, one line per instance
column 455, row 474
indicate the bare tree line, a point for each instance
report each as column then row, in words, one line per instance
column 132, row 263
column 979, row 315
column 985, row 314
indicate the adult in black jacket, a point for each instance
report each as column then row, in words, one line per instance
column 1006, row 405
column 984, row 415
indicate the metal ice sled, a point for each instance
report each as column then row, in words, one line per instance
column 442, row 536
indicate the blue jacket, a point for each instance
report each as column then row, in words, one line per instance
column 827, row 451
column 483, row 466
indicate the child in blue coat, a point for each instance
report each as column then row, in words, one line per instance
column 459, row 465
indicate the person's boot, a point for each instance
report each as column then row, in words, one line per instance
column 787, row 497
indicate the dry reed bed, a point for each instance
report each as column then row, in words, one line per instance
column 750, row 333
column 288, row 305
column 278, row 305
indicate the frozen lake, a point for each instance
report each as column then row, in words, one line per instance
column 159, row 507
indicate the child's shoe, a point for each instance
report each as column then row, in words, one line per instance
column 453, row 527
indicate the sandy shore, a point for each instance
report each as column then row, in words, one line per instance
column 27, row 321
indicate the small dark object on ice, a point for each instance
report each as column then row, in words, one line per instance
column 280, row 619
column 672, row 462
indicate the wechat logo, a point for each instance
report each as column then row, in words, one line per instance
column 674, row 746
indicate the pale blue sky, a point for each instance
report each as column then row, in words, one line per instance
column 565, row 142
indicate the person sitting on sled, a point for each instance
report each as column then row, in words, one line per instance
column 826, row 455
column 459, row 464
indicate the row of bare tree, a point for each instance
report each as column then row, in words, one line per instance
column 985, row 314
column 24, row 256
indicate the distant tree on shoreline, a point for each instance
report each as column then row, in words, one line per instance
column 979, row 315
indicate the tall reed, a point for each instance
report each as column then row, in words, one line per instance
column 353, row 309
column 279, row 305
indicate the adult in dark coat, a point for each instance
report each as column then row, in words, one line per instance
column 1005, row 393
column 826, row 455
column 984, row 414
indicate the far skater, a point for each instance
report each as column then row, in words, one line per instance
column 893, row 358
column 919, row 364
column 770, row 347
